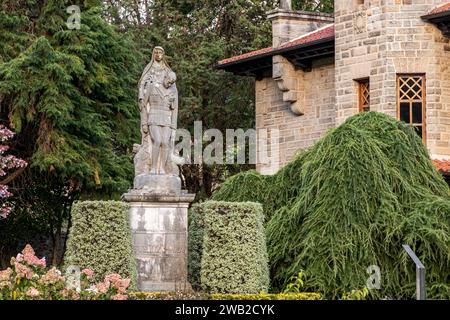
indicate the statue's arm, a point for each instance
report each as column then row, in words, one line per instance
column 170, row 79
column 141, row 94
column 142, row 85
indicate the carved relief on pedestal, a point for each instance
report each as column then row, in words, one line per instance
column 288, row 81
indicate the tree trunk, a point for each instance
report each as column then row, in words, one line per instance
column 56, row 246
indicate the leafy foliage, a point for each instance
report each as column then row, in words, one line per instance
column 70, row 97
column 7, row 163
column 313, row 5
column 100, row 239
column 233, row 257
column 231, row 190
column 351, row 201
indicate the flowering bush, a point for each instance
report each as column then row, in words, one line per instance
column 6, row 163
column 28, row 278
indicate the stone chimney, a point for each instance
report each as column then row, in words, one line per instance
column 288, row 24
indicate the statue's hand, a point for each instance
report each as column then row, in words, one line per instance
column 145, row 128
column 167, row 83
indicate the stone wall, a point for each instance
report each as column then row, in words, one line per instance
column 382, row 38
column 316, row 94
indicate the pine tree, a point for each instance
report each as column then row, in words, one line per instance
column 70, row 97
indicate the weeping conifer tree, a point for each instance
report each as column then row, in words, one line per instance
column 69, row 94
column 350, row 202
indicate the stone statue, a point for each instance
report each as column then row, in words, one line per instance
column 158, row 205
column 158, row 104
column 286, row 4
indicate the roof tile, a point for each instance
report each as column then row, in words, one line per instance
column 443, row 166
column 322, row 33
column 440, row 8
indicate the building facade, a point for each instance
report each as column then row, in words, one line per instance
column 390, row 56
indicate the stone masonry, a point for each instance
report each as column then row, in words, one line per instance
column 373, row 39
column 379, row 39
column 296, row 131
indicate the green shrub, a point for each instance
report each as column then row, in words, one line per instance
column 361, row 187
column 195, row 244
column 351, row 201
column 228, row 248
column 100, row 239
column 245, row 186
column 272, row 192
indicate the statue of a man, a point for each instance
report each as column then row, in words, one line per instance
column 158, row 103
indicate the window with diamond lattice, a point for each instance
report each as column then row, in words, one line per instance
column 364, row 95
column 411, row 101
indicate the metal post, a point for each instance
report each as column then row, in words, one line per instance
column 420, row 273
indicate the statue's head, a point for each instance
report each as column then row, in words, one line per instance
column 158, row 54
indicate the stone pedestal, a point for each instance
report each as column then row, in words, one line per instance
column 158, row 184
column 159, row 230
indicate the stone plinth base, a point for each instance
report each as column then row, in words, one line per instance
column 159, row 231
column 158, row 184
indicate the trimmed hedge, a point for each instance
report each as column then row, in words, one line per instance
column 218, row 296
column 100, row 239
column 228, row 248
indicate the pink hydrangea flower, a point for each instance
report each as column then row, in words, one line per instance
column 5, row 274
column 23, row 271
column 5, row 278
column 113, row 278
column 88, row 273
column 51, row 277
column 122, row 285
column 7, row 163
column 117, row 282
column 4, row 211
column 19, row 257
column 101, row 287
column 28, row 255
column 33, row 292
column 120, row 297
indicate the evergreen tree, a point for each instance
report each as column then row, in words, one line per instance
column 313, row 5
column 70, row 97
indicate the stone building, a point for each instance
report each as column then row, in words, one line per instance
column 390, row 56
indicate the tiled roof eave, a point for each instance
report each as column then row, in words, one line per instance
column 323, row 34
column 443, row 166
column 440, row 11
column 434, row 16
column 246, row 59
column 277, row 51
